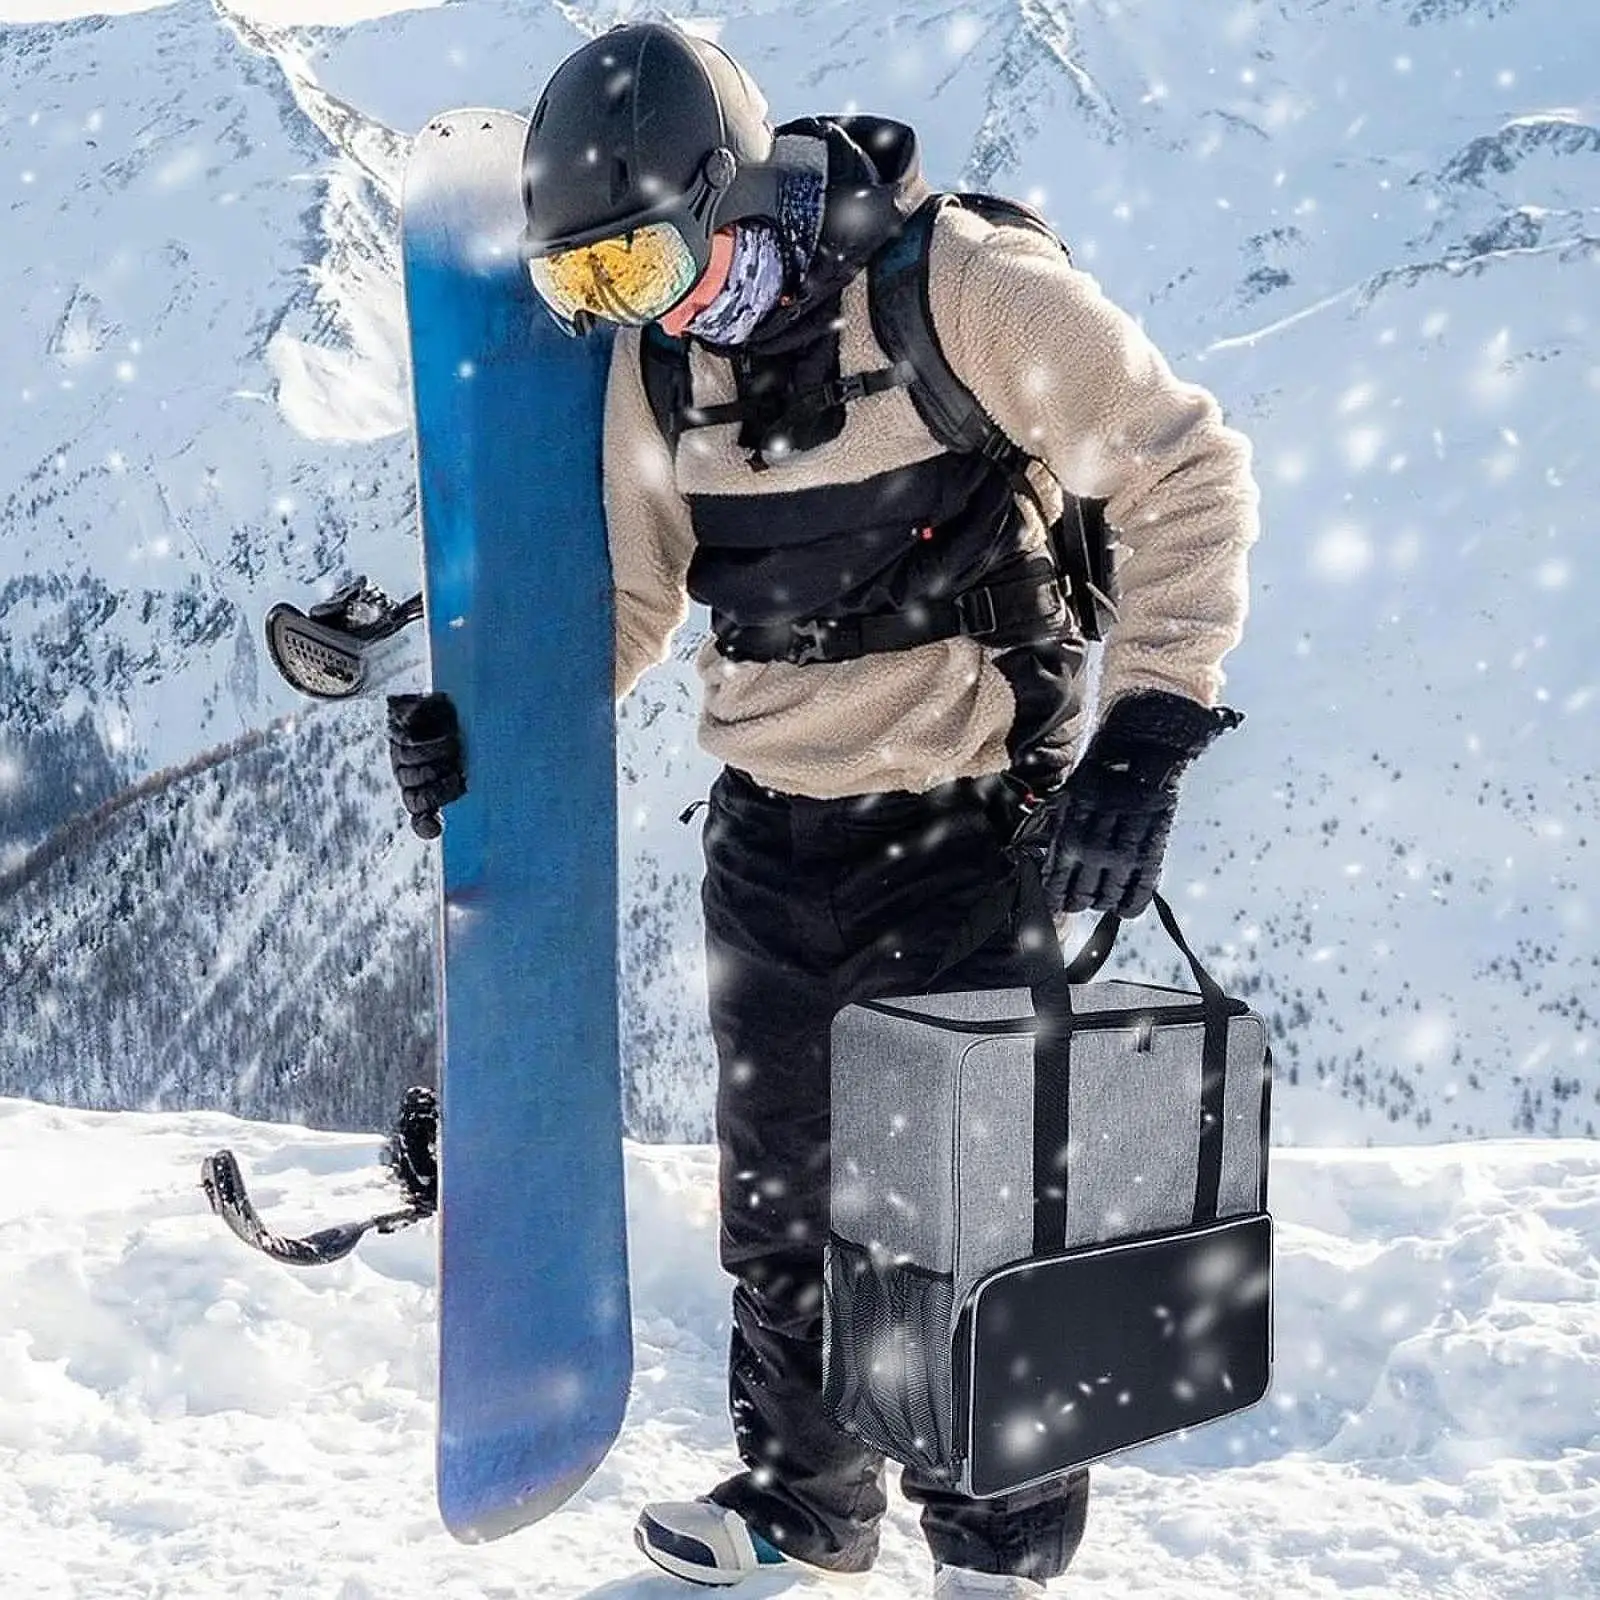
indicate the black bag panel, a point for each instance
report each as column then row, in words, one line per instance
column 936, row 491
column 1060, row 1361
column 888, row 1331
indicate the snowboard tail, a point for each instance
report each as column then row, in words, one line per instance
column 535, row 1335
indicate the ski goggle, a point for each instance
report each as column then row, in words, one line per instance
column 634, row 277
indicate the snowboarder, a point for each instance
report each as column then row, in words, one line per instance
column 895, row 680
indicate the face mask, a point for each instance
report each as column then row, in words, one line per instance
column 754, row 287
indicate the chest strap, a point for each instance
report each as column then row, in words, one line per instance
column 805, row 403
column 1002, row 615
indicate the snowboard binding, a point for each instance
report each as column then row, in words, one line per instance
column 341, row 647
column 410, row 1153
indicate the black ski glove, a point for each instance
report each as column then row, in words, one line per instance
column 1100, row 837
column 425, row 752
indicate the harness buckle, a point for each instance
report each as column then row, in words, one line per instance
column 975, row 612
column 808, row 643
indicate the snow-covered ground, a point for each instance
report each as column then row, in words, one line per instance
column 180, row 1418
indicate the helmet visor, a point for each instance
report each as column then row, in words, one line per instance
column 634, row 277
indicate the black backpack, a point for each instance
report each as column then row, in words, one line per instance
column 902, row 322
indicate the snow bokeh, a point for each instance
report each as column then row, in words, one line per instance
column 1370, row 228
column 179, row 1416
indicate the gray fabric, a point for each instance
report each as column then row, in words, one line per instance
column 994, row 1005
column 893, row 1113
column 1242, row 1156
column 933, row 1125
column 932, row 1139
column 1117, row 994
column 1133, row 1122
column 978, row 1005
column 993, row 1164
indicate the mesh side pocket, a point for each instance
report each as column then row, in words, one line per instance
column 886, row 1355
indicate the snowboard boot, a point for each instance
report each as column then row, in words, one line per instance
column 702, row 1542
column 962, row 1583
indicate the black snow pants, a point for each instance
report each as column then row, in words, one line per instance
column 809, row 906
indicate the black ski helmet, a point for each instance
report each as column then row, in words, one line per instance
column 646, row 124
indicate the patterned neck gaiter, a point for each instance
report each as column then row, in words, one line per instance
column 766, row 257
column 754, row 287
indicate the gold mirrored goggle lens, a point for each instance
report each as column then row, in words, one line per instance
column 633, row 278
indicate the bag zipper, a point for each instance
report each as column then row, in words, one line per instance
column 1077, row 1022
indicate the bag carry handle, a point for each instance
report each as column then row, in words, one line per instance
column 1052, row 1000
column 1096, row 950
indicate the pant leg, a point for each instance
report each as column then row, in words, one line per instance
column 808, row 1486
column 1034, row 1532
column 811, row 905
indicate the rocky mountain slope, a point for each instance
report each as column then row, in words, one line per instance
column 1371, row 228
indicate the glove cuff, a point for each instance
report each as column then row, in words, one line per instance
column 1152, row 735
column 422, row 719
column 1181, row 727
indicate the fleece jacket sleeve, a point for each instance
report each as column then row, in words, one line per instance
column 650, row 534
column 1075, row 382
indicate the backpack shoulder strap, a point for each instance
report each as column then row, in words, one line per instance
column 902, row 321
column 1002, row 213
column 664, row 369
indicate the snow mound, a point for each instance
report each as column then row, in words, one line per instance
column 178, row 1416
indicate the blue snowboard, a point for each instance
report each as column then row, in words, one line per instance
column 535, row 1352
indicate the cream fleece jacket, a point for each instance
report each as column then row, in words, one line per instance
column 1071, row 379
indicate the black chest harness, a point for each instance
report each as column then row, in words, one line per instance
column 926, row 552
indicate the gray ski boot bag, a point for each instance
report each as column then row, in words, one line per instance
column 1049, row 1236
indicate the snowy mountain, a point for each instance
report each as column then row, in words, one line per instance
column 181, row 1417
column 1373, row 228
